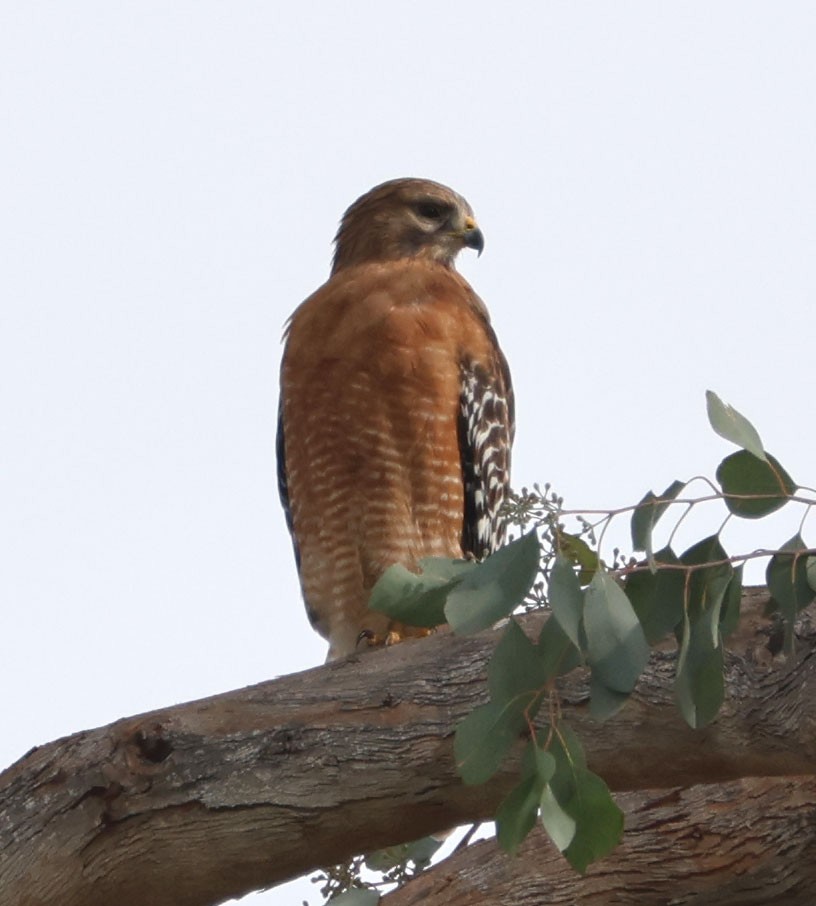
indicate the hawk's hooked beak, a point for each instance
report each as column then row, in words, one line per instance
column 473, row 236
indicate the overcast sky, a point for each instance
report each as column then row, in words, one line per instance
column 171, row 177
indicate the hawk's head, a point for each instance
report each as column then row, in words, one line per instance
column 406, row 218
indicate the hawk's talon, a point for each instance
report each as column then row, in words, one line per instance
column 369, row 636
column 392, row 637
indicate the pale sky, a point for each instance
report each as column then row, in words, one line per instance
column 171, row 177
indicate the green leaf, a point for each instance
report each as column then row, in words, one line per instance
column 811, row 572
column 516, row 816
column 657, row 597
column 647, row 514
column 584, row 798
column 444, row 569
column 516, row 669
column 575, row 549
column 699, row 682
column 767, row 483
column 483, row 738
column 545, row 764
column 699, row 686
column 559, row 824
column 709, row 579
column 566, row 598
column 604, row 702
column 516, row 677
column 733, row 426
column 537, row 762
column 788, row 582
column 418, row 851
column 495, row 587
column 557, row 653
column 599, row 822
column 568, row 745
column 418, row 600
column 357, row 896
column 732, row 603
column 617, row 649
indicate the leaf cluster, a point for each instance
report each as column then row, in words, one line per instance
column 605, row 616
column 346, row 885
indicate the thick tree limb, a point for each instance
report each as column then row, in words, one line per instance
column 199, row 802
column 747, row 841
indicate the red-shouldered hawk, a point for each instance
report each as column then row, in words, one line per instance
column 396, row 409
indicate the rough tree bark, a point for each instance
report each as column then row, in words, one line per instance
column 744, row 842
column 203, row 801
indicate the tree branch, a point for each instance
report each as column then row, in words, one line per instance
column 196, row 803
column 747, row 841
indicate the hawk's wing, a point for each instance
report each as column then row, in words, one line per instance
column 283, row 485
column 486, row 428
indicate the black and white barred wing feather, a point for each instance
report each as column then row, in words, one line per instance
column 486, row 428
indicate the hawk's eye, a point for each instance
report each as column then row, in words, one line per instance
column 430, row 211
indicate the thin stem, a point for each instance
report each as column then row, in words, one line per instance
column 804, row 517
column 689, row 501
column 679, row 523
column 724, row 523
column 607, row 523
column 467, row 838
column 691, row 567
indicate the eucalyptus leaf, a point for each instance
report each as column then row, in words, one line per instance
column 566, row 598
column 733, row 426
column 708, row 581
column 516, row 668
column 811, row 572
column 732, row 603
column 516, row 816
column 647, row 514
column 421, row 851
column 357, row 896
column 516, row 677
column 418, row 851
column 560, row 826
column 494, row 588
column 598, row 820
column 617, row 649
column 788, row 582
column 657, row 597
column 545, row 764
column 584, row 798
column 699, row 686
column 558, row 654
column 754, row 488
column 483, row 738
column 566, row 748
column 445, row 569
column 575, row 549
column 418, row 599
column 604, row 702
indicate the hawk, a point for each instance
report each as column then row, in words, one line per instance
column 396, row 410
